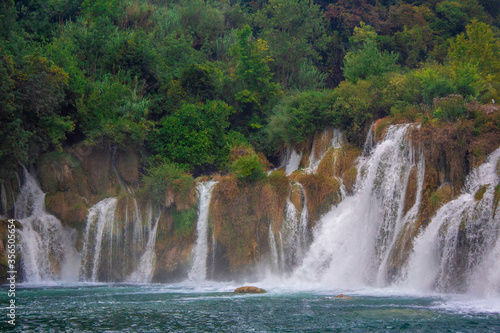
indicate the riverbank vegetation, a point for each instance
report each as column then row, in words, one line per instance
column 185, row 82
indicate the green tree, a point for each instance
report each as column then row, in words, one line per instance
column 478, row 47
column 297, row 117
column 194, row 136
column 252, row 85
column 296, row 33
column 366, row 60
column 32, row 119
column 113, row 112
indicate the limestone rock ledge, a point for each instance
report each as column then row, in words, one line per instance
column 249, row 290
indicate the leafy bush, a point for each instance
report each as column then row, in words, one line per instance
column 113, row 112
column 299, row 116
column 185, row 221
column 248, row 169
column 450, row 108
column 167, row 177
column 194, row 136
column 31, row 104
column 366, row 60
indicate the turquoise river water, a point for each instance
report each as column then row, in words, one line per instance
column 212, row 307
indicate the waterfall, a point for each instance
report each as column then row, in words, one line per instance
column 460, row 248
column 47, row 247
column 99, row 230
column 292, row 161
column 294, row 233
column 274, row 250
column 200, row 250
column 290, row 235
column 321, row 145
column 145, row 269
column 369, row 142
column 353, row 241
column 119, row 249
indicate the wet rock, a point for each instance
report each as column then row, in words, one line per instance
column 249, row 290
column 342, row 296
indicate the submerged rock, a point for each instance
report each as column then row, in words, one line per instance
column 249, row 290
column 342, row 296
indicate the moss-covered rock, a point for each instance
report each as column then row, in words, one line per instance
column 69, row 207
column 173, row 250
column 380, row 127
column 61, row 172
column 240, row 218
column 128, row 164
column 344, row 297
column 340, row 163
column 349, row 178
column 322, row 192
column 249, row 290
column 411, row 190
column 478, row 196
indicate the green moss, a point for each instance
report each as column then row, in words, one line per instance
column 279, row 181
column 185, row 221
column 480, row 193
column 497, row 196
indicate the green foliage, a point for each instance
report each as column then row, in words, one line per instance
column 453, row 16
column 435, row 82
column 98, row 8
column 166, row 176
column 359, row 103
column 194, row 136
column 296, row 33
column 450, row 108
column 185, row 221
column 478, row 49
column 366, row 60
column 253, row 76
column 202, row 81
column 248, row 169
column 113, row 112
column 32, row 93
column 193, row 78
column 299, row 116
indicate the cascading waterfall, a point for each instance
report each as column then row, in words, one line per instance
column 315, row 157
column 294, row 233
column 145, row 269
column 47, row 247
column 200, row 250
column 292, row 161
column 116, row 249
column 99, row 229
column 460, row 248
column 369, row 142
column 353, row 241
column 290, row 235
column 275, row 260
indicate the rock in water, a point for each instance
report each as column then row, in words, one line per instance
column 342, row 296
column 249, row 290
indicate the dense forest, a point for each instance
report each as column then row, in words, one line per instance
column 189, row 82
